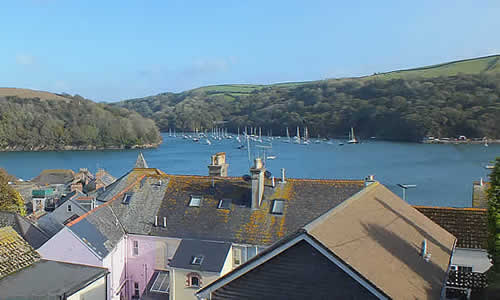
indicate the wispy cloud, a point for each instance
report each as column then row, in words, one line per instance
column 25, row 59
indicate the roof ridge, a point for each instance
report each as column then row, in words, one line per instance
column 334, row 210
column 452, row 208
column 108, row 202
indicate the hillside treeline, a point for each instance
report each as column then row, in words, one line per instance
column 397, row 109
column 34, row 124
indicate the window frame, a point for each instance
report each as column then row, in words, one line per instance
column 69, row 208
column 228, row 203
column 274, row 207
column 135, row 248
column 197, row 260
column 158, row 290
column 137, row 291
column 189, row 282
column 197, row 203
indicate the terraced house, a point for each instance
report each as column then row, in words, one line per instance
column 166, row 236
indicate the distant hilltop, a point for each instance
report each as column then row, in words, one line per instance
column 444, row 100
column 30, row 94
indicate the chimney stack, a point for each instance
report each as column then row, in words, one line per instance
column 218, row 166
column 369, row 180
column 257, row 172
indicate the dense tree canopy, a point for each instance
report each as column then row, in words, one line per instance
column 399, row 109
column 34, row 124
column 10, row 199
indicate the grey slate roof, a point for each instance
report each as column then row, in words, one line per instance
column 105, row 226
column 214, row 255
column 64, row 279
column 54, row 177
column 89, row 234
column 53, row 222
column 30, row 232
column 305, row 200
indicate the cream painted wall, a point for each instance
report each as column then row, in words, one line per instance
column 228, row 264
column 94, row 291
column 178, row 288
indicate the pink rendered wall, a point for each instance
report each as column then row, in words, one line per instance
column 154, row 253
column 65, row 246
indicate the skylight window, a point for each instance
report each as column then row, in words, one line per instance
column 126, row 198
column 161, row 283
column 195, row 201
column 225, row 204
column 278, row 206
column 197, row 260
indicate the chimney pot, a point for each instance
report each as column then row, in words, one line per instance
column 164, row 222
column 218, row 166
column 156, row 221
column 283, row 175
column 274, row 183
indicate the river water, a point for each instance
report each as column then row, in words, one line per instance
column 443, row 174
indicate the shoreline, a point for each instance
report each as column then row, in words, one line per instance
column 80, row 148
column 456, row 142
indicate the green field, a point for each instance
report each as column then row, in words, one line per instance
column 487, row 64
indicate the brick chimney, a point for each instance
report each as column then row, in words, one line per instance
column 257, row 172
column 218, row 166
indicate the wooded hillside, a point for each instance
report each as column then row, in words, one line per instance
column 399, row 109
column 64, row 122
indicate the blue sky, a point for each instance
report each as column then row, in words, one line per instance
column 112, row 50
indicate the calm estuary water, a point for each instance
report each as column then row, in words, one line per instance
column 443, row 173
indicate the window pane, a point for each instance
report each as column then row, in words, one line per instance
column 252, row 251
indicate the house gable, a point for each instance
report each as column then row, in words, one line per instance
column 296, row 268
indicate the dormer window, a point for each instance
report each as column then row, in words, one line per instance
column 225, row 204
column 195, row 201
column 197, row 260
column 278, row 207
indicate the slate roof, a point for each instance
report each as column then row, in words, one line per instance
column 54, row 221
column 103, row 227
column 378, row 236
column 65, row 279
column 155, row 193
column 56, row 176
column 304, row 200
column 15, row 253
column 213, row 255
column 25, row 228
column 469, row 225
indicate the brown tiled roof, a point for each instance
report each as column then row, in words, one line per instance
column 15, row 253
column 469, row 225
column 380, row 236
